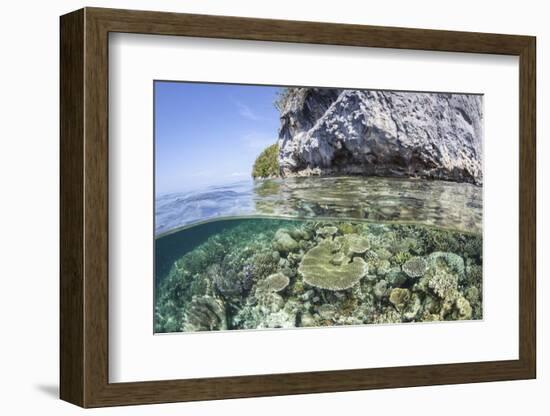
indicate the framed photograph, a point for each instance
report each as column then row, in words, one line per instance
column 256, row 207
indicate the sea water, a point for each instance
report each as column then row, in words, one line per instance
column 311, row 252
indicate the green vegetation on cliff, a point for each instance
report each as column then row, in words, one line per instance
column 283, row 96
column 267, row 163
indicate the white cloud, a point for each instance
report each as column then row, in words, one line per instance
column 246, row 112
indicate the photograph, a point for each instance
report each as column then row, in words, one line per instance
column 279, row 207
column 235, row 182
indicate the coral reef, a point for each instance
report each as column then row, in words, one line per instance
column 443, row 283
column 464, row 308
column 415, row 267
column 380, row 289
column 276, row 282
column 327, row 231
column 283, row 242
column 352, row 244
column 444, row 271
column 263, row 273
column 204, row 313
column 399, row 297
column 325, row 267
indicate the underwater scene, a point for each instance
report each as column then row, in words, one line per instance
column 366, row 209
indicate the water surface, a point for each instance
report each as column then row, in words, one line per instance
column 438, row 203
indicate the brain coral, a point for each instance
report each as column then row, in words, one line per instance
column 318, row 268
column 415, row 267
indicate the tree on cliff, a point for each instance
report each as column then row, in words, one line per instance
column 267, row 163
column 283, row 95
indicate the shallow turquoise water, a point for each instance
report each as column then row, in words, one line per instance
column 439, row 203
column 318, row 251
column 213, row 275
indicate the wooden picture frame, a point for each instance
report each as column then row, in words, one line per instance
column 84, row 207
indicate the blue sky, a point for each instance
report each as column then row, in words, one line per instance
column 208, row 134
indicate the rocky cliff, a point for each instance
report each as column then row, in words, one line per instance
column 383, row 133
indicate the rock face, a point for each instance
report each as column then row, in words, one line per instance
column 381, row 133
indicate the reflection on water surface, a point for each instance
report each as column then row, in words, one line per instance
column 438, row 203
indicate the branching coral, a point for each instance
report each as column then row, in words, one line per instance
column 473, row 295
column 387, row 316
column 443, row 283
column 443, row 240
column 474, row 274
column 401, row 257
column 444, row 272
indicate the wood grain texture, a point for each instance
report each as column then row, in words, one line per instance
column 84, row 207
column 71, row 185
column 527, row 208
column 96, row 208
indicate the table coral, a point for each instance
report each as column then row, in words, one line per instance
column 205, row 313
column 353, row 244
column 276, row 282
column 327, row 231
column 318, row 269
